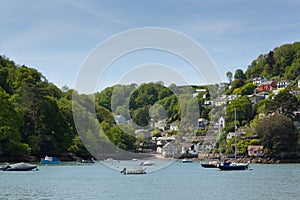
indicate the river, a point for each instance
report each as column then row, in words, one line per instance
column 174, row 181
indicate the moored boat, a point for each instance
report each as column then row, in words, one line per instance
column 211, row 164
column 147, row 163
column 18, row 167
column 186, row 160
column 50, row 160
column 135, row 170
column 228, row 165
column 88, row 161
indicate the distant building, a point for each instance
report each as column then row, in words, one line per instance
column 299, row 83
column 189, row 149
column 283, row 84
column 202, row 123
column 266, row 86
column 169, row 150
column 255, row 150
column 259, row 80
column 221, row 123
column 174, row 127
column 206, row 146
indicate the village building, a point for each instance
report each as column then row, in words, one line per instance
column 169, row 150
column 255, row 150
column 266, row 86
column 259, row 80
column 283, row 84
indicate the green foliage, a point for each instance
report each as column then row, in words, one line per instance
column 247, row 89
column 284, row 102
column 278, row 134
column 244, row 110
column 283, row 62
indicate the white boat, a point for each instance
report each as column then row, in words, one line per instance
column 186, row 160
column 147, row 163
column 18, row 167
column 135, row 170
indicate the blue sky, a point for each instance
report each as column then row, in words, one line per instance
column 55, row 37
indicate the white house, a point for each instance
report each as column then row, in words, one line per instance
column 161, row 124
column 221, row 123
column 169, row 150
column 299, row 83
column 174, row 127
column 282, row 84
column 259, row 80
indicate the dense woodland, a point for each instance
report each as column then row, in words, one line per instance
column 36, row 116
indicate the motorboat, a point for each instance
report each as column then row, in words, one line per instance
column 228, row 165
column 135, row 170
column 18, row 167
column 147, row 163
column 50, row 160
column 88, row 161
column 186, row 160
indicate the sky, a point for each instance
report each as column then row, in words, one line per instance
column 57, row 37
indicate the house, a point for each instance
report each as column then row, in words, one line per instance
column 255, row 98
column 169, row 150
column 174, row 127
column 266, row 86
column 208, row 103
column 230, row 135
column 259, row 80
column 282, row 84
column 206, row 146
column 255, row 150
column 119, row 119
column 221, row 123
column 161, row 124
column 220, row 102
column 206, row 96
column 202, row 123
column 189, row 149
column 299, row 83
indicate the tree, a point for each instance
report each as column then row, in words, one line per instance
column 284, row 102
column 278, row 134
column 247, row 89
column 10, row 123
column 229, row 76
column 239, row 74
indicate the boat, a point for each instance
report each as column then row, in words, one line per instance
column 229, row 165
column 186, row 160
column 88, row 161
column 211, row 164
column 135, row 170
column 147, row 163
column 18, row 167
column 50, row 160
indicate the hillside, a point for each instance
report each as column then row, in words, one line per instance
column 281, row 63
column 36, row 117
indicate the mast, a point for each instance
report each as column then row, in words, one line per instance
column 235, row 133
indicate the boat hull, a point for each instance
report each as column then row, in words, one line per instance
column 233, row 167
column 209, row 165
column 19, row 167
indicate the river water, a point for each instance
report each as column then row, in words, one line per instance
column 174, row 181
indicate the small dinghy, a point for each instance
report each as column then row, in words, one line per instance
column 18, row 167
